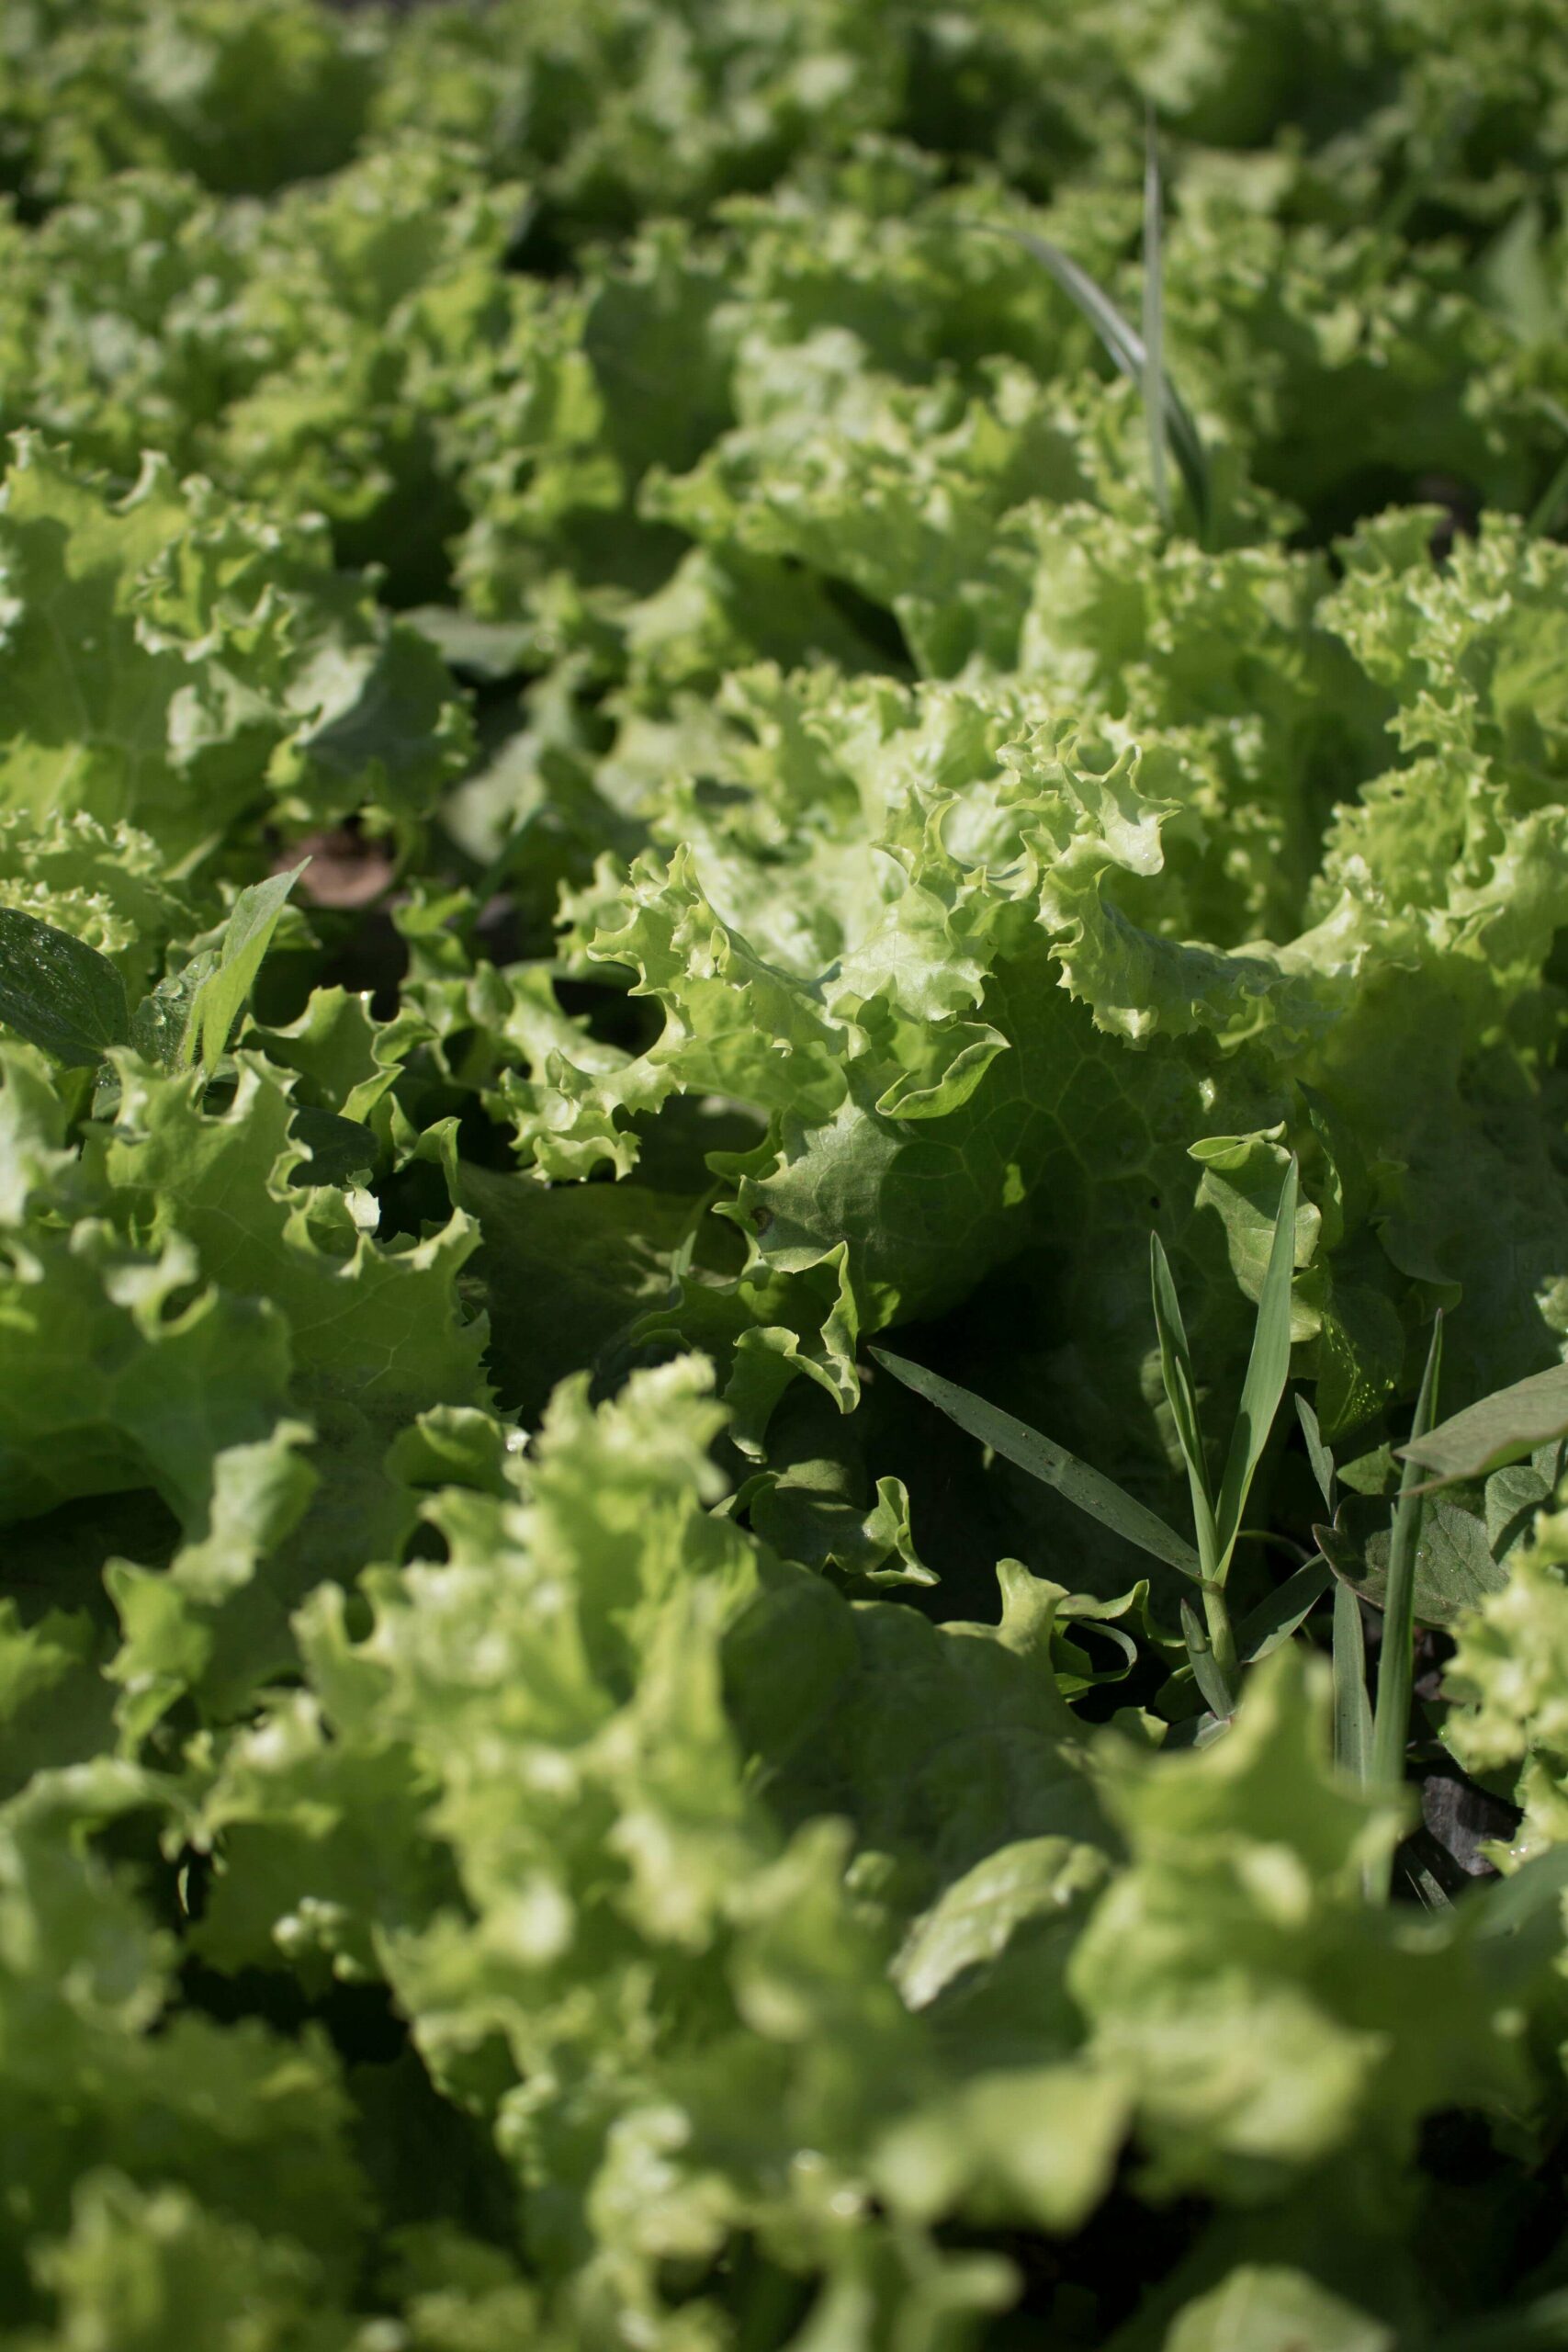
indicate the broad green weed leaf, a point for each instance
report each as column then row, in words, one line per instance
column 1501, row 1428
column 1051, row 1463
column 58, row 993
column 1455, row 1565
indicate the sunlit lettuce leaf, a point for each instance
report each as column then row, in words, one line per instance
column 1265, row 2010
column 523, row 1796
column 105, row 886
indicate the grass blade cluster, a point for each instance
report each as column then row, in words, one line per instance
column 1051, row 1463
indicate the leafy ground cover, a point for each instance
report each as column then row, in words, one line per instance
column 783, row 1205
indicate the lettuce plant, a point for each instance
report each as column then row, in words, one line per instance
column 698, row 704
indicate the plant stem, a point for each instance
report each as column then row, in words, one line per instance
column 1222, row 1634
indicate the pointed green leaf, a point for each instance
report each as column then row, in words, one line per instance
column 225, row 992
column 1267, row 1627
column 1053, row 1465
column 1153, row 373
column 1455, row 1565
column 59, row 993
column 1126, row 347
column 1181, row 1395
column 1424, row 1883
column 1391, row 1723
column 1352, row 1712
column 1268, row 1370
column 1279, row 1615
column 1318, row 1453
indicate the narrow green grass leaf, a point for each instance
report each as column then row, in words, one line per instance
column 1280, row 1614
column 1283, row 1612
column 1268, row 1370
column 1126, row 347
column 1181, row 1395
column 1427, row 1890
column 1319, row 1454
column 1212, row 1684
column 1153, row 372
column 1053, row 1465
column 1391, row 1723
column 1352, row 1709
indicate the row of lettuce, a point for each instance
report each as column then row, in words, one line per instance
column 457, row 1892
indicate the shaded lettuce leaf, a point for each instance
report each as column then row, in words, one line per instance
column 254, row 2125
column 246, row 97
column 176, row 661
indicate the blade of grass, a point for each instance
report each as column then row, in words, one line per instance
column 1181, row 1391
column 1153, row 374
column 1277, row 1616
column 1126, row 347
column 1181, row 1396
column 1280, row 1614
column 1206, row 1671
column 1052, row 1464
column 1268, row 1370
column 1352, row 1709
column 1424, row 1885
column 1319, row 1454
column 1390, row 1722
